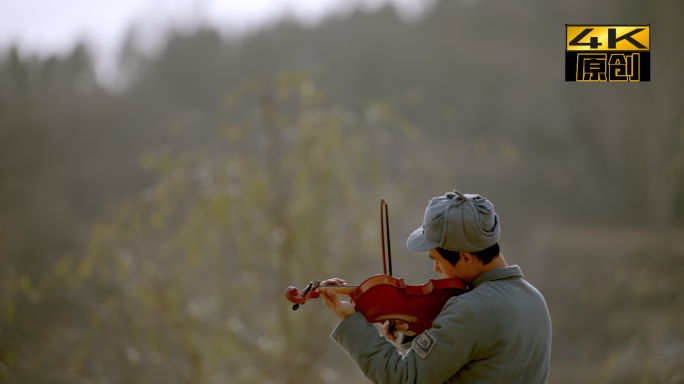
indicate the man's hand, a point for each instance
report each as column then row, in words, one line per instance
column 331, row 300
column 399, row 326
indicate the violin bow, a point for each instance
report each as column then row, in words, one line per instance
column 385, row 219
column 383, row 203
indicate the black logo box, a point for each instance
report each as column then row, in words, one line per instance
column 571, row 63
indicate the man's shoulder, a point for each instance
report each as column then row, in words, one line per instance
column 460, row 306
column 500, row 294
column 459, row 313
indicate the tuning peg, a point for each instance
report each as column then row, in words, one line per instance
column 308, row 288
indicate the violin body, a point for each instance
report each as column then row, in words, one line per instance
column 383, row 297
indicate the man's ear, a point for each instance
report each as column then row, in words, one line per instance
column 467, row 258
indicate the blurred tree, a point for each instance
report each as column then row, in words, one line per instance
column 186, row 280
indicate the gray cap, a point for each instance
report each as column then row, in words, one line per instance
column 457, row 222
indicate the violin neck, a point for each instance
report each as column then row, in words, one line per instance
column 339, row 289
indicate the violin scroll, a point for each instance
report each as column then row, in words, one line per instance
column 310, row 292
column 314, row 290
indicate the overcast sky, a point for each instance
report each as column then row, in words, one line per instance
column 53, row 26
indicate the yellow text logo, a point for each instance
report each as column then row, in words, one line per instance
column 607, row 38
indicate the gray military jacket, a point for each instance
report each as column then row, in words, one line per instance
column 497, row 332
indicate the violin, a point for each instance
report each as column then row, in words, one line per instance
column 384, row 297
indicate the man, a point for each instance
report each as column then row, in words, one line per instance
column 497, row 332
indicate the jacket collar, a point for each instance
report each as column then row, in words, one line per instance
column 496, row 274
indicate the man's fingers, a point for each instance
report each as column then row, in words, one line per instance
column 386, row 332
column 401, row 326
column 333, row 297
column 340, row 308
column 333, row 281
column 330, row 299
column 328, row 303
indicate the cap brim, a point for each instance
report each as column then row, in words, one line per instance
column 418, row 243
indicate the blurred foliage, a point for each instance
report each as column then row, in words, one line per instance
column 625, row 315
column 186, row 280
